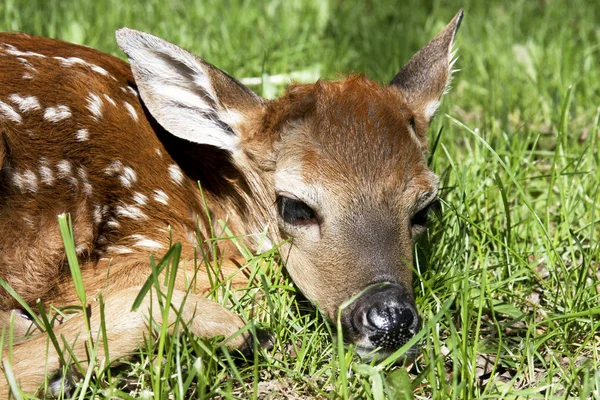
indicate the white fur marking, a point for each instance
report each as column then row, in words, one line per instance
column 113, row 223
column 97, row 214
column 29, row 67
column 12, row 50
column 131, row 111
column 10, row 113
column 143, row 242
column 87, row 186
column 58, row 113
column 94, row 105
column 28, row 221
column 128, row 177
column 119, row 249
column 109, row 99
column 82, row 135
column 70, row 61
column 114, row 167
column 46, row 174
column 140, row 198
column 25, row 103
column 98, row 69
column 161, row 197
column 176, row 174
column 26, row 181
column 132, row 212
column 64, row 169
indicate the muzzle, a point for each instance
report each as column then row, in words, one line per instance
column 383, row 318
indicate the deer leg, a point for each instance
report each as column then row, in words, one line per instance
column 125, row 332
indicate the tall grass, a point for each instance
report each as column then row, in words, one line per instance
column 508, row 278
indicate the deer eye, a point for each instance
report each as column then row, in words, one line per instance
column 294, row 211
column 419, row 220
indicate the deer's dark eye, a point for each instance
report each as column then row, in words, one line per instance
column 421, row 217
column 294, row 211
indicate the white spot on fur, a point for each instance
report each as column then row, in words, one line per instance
column 30, row 70
column 46, row 174
column 132, row 91
column 176, row 174
column 13, row 51
column 26, row 181
column 94, row 105
column 119, row 249
column 7, row 111
column 158, row 152
column 131, row 110
column 128, row 177
column 81, row 249
column 109, row 99
column 64, row 169
column 58, row 113
column 113, row 223
column 129, row 211
column 114, row 168
column 25, row 103
column 82, row 135
column 161, row 197
column 98, row 69
column 27, row 219
column 70, row 61
column 87, row 186
column 143, row 242
column 140, row 198
column 97, row 213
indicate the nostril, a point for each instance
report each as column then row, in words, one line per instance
column 380, row 318
column 406, row 318
column 390, row 317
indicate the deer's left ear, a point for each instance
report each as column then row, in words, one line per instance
column 189, row 97
column 425, row 77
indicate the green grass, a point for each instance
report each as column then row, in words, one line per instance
column 509, row 283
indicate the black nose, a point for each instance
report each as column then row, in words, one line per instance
column 390, row 316
column 386, row 316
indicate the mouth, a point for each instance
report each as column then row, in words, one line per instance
column 369, row 353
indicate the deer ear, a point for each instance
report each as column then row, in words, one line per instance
column 425, row 77
column 190, row 98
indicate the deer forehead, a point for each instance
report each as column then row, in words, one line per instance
column 352, row 126
column 350, row 137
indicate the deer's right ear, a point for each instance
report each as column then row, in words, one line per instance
column 425, row 77
column 190, row 98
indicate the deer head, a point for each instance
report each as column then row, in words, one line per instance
column 336, row 168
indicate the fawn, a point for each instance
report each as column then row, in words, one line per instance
column 337, row 170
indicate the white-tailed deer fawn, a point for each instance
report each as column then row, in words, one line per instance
column 339, row 168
